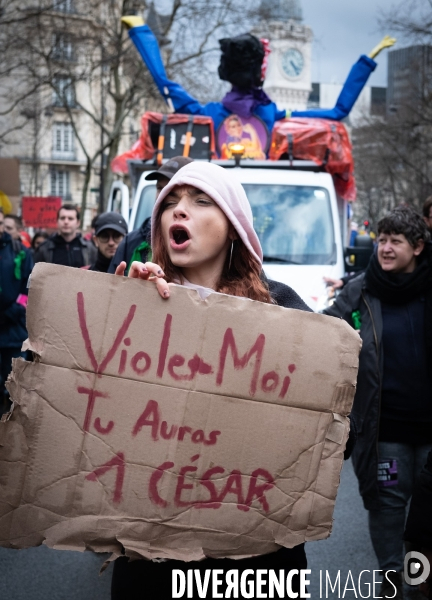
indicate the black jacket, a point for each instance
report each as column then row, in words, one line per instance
column 129, row 243
column 13, row 282
column 45, row 252
column 366, row 408
column 285, row 296
column 101, row 264
column 419, row 523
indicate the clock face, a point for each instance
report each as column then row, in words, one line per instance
column 292, row 62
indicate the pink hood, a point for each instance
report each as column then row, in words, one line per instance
column 226, row 191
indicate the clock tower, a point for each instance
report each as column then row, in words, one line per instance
column 288, row 77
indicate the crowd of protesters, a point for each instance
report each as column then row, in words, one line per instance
column 389, row 304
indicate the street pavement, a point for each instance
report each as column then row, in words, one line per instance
column 347, row 549
column 44, row 574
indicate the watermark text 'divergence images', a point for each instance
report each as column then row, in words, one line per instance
column 270, row 583
column 259, row 583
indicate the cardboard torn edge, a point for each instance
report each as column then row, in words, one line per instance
column 7, row 415
column 114, row 556
column 35, row 347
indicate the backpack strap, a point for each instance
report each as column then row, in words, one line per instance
column 356, row 320
column 20, row 255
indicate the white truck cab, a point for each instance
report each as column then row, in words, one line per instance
column 301, row 223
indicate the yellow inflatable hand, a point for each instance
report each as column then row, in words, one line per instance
column 5, row 203
column 386, row 42
column 132, row 21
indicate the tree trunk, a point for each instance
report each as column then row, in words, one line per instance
column 108, row 175
column 85, row 190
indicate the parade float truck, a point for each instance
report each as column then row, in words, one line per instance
column 299, row 181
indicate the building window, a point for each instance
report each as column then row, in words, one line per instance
column 62, row 47
column 314, row 96
column 378, row 101
column 63, row 141
column 63, row 93
column 65, row 6
column 60, row 184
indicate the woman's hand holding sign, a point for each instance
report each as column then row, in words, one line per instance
column 149, row 272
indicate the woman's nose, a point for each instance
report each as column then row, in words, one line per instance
column 180, row 211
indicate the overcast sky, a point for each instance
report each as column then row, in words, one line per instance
column 344, row 29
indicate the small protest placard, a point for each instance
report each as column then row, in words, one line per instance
column 40, row 211
column 177, row 428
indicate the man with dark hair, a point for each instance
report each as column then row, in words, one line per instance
column 67, row 247
column 13, row 226
column 136, row 245
column 391, row 307
column 69, row 207
column 427, row 213
column 15, row 266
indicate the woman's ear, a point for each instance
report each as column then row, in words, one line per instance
column 232, row 233
column 419, row 248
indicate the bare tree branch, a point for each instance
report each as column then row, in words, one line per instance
column 48, row 57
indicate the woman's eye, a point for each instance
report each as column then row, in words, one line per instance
column 168, row 204
column 204, row 201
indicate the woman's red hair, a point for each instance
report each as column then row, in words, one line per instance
column 241, row 278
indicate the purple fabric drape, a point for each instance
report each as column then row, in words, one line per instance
column 243, row 103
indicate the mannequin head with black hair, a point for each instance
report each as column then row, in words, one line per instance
column 241, row 61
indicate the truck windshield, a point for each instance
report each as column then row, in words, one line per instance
column 294, row 223
column 145, row 205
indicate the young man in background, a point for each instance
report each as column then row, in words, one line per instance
column 67, row 247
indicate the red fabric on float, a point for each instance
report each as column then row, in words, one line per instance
column 146, row 146
column 319, row 140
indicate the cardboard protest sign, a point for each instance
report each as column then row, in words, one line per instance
column 176, row 428
column 40, row 211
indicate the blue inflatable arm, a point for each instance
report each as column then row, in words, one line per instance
column 351, row 90
column 148, row 47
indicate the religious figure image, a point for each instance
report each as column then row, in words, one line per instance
column 245, row 134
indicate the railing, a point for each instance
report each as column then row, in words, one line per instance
column 63, row 155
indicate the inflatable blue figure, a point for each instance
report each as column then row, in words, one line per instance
column 241, row 63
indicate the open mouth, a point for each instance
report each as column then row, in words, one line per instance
column 179, row 236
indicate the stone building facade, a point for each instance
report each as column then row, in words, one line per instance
column 63, row 119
